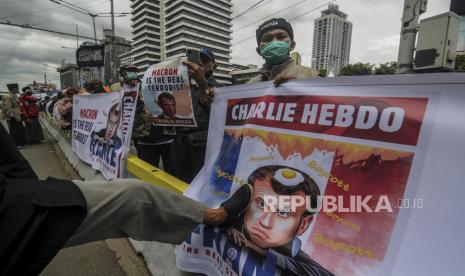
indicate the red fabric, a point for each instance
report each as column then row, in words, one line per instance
column 29, row 107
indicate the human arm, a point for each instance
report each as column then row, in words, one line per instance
column 31, row 99
column 198, row 74
column 299, row 265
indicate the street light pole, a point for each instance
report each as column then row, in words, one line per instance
column 95, row 32
column 84, row 11
column 77, row 47
column 96, row 43
column 410, row 18
column 113, row 52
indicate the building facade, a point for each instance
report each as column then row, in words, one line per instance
column 70, row 74
column 146, row 32
column 332, row 37
column 122, row 46
column 126, row 58
column 242, row 74
column 167, row 28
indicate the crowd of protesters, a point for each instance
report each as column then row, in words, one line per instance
column 181, row 151
column 21, row 111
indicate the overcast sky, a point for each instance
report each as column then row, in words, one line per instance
column 23, row 52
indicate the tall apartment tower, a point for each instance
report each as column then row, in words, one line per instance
column 331, row 40
column 166, row 28
column 146, row 29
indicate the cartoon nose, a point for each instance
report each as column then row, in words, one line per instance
column 266, row 220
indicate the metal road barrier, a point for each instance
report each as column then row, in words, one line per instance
column 148, row 173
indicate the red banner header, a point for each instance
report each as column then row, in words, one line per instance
column 386, row 119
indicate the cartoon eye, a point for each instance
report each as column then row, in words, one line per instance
column 284, row 214
column 288, row 177
column 260, row 203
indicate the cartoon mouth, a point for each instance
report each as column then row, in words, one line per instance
column 262, row 235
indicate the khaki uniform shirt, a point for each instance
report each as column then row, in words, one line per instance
column 10, row 108
column 287, row 69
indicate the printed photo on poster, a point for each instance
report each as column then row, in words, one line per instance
column 166, row 92
column 101, row 129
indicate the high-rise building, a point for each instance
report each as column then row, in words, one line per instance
column 146, row 31
column 331, row 40
column 126, row 58
column 166, row 28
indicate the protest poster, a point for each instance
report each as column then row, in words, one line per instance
column 360, row 144
column 102, row 127
column 167, row 96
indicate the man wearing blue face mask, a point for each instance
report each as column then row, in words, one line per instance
column 275, row 39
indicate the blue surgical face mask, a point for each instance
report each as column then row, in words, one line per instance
column 131, row 75
column 276, row 52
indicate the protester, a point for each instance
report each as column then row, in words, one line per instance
column 39, row 217
column 153, row 143
column 92, row 87
column 50, row 108
column 275, row 39
column 31, row 111
column 43, row 103
column 11, row 112
column 191, row 143
column 64, row 108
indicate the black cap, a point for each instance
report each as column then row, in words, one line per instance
column 94, row 85
column 129, row 67
column 12, row 86
column 207, row 53
column 275, row 23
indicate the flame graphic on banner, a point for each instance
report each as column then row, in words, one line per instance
column 305, row 146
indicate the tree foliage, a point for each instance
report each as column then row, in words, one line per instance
column 323, row 73
column 460, row 63
column 388, row 68
column 357, row 69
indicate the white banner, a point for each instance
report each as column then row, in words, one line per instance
column 363, row 142
column 102, row 128
column 167, row 95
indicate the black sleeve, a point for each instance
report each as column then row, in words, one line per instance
column 12, row 162
column 301, row 265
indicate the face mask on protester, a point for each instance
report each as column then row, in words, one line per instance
column 131, row 75
column 276, row 52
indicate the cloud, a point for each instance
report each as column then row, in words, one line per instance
column 23, row 51
column 375, row 36
column 379, row 50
